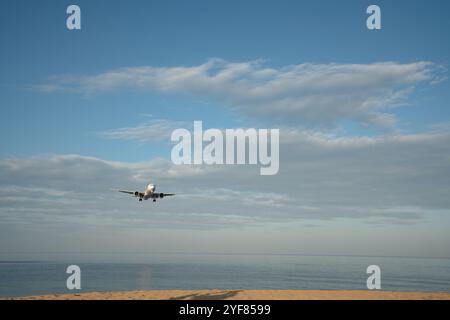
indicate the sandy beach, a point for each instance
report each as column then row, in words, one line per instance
column 245, row 295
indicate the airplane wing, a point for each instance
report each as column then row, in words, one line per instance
column 157, row 195
column 129, row 192
column 141, row 195
column 133, row 193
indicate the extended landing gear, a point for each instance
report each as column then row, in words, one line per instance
column 140, row 199
column 154, row 200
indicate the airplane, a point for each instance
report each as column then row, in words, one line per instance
column 149, row 193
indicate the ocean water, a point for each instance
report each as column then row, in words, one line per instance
column 124, row 272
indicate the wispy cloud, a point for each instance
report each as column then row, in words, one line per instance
column 153, row 130
column 312, row 94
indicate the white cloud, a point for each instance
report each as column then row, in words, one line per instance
column 154, row 130
column 400, row 178
column 311, row 94
column 393, row 188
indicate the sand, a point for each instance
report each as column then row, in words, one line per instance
column 245, row 295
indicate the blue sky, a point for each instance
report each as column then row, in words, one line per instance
column 87, row 112
column 36, row 45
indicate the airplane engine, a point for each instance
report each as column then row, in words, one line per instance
column 136, row 193
column 161, row 195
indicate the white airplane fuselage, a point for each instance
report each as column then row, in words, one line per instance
column 149, row 191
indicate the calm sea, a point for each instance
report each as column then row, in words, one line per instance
column 123, row 272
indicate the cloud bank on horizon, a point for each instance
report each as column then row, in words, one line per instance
column 386, row 179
